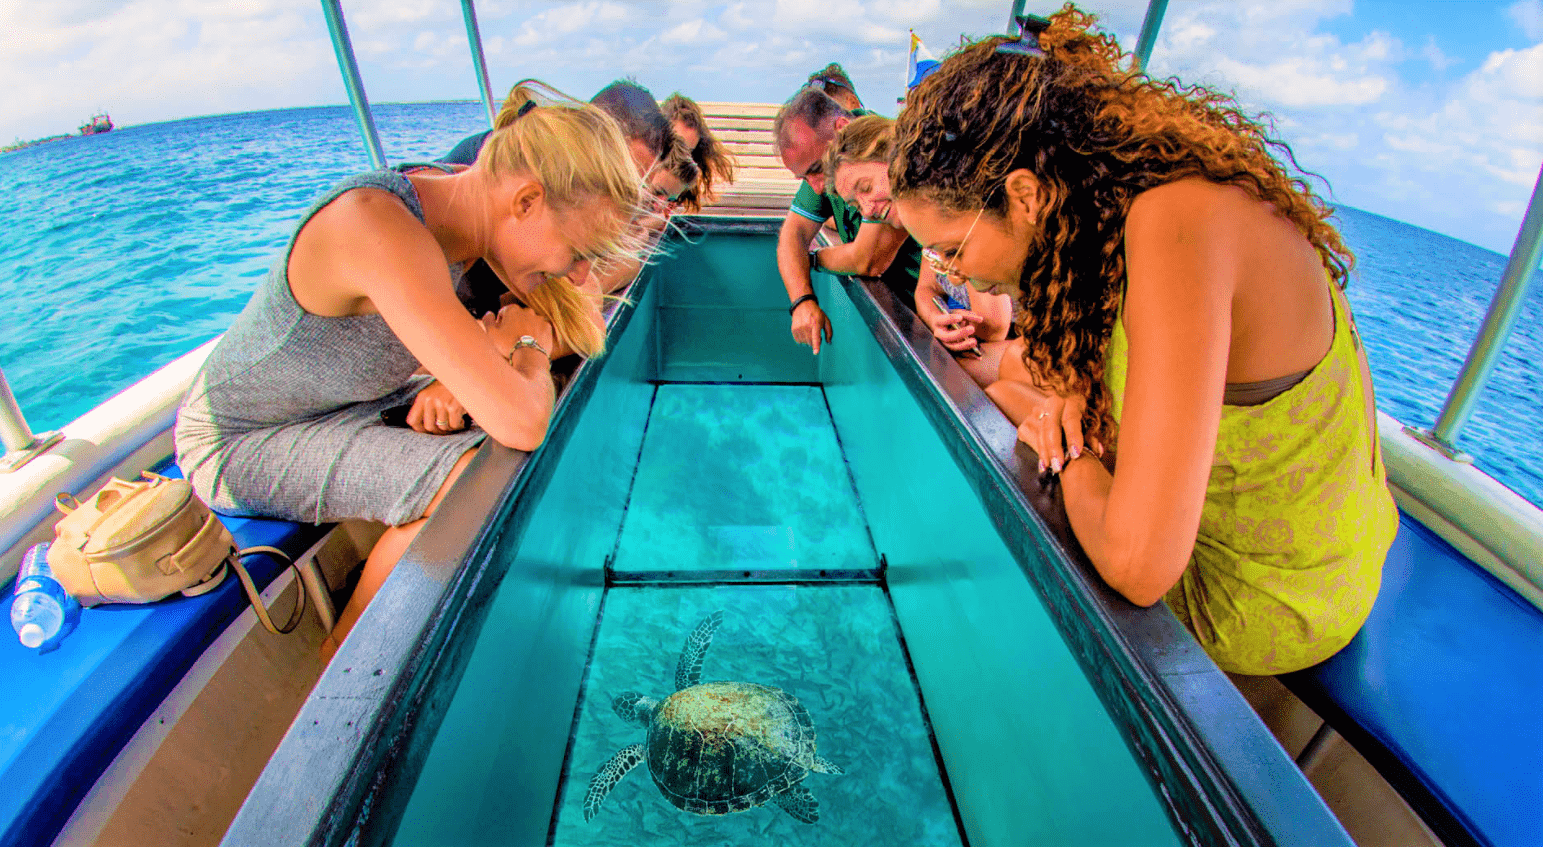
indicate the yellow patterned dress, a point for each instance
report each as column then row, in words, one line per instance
column 1297, row 517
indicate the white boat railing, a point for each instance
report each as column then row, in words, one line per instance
column 1496, row 330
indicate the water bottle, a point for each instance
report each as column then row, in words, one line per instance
column 42, row 613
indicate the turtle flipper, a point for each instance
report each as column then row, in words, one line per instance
column 798, row 802
column 689, row 671
column 633, row 707
column 820, row 765
column 625, row 760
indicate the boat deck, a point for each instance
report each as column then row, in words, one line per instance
column 762, row 187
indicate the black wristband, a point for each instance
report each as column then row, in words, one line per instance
column 814, row 258
column 800, row 301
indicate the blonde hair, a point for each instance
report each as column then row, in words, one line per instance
column 577, row 153
column 571, row 313
column 870, row 138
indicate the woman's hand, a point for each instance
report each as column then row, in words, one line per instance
column 513, row 321
column 436, row 411
column 1054, row 429
column 1048, row 423
column 955, row 330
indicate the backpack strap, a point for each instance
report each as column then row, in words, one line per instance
column 256, row 598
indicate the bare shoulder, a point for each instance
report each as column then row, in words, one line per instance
column 1192, row 205
column 364, row 207
column 353, row 244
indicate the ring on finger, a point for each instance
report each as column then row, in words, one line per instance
column 1043, row 415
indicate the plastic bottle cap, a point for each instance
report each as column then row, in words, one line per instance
column 32, row 635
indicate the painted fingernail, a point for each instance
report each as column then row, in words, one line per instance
column 1055, row 465
column 1041, row 465
column 1075, row 452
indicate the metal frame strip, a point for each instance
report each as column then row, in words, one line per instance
column 347, row 65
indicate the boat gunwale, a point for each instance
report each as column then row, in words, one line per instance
column 1206, row 732
column 358, row 744
column 361, row 738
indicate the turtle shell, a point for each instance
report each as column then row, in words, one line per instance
column 722, row 747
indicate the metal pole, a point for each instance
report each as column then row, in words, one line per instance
column 21, row 446
column 14, row 432
column 1149, row 26
column 478, row 62
column 1012, row 18
column 350, row 70
column 1519, row 272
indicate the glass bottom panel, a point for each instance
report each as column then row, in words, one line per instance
column 742, row 477
column 833, row 649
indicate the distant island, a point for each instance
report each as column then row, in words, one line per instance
column 99, row 123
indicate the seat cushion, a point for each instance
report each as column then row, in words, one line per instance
column 67, row 712
column 1442, row 691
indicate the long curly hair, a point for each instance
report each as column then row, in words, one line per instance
column 1095, row 132
column 712, row 157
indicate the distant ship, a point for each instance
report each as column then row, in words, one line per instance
column 99, row 123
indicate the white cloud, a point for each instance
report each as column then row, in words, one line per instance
column 692, row 32
column 1527, row 14
column 1432, row 54
column 1303, row 82
column 1445, row 154
column 1518, row 71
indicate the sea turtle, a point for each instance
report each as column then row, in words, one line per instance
column 717, row 747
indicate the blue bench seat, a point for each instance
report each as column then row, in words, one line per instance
column 65, row 714
column 1442, row 692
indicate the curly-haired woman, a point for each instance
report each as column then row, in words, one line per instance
column 1180, row 306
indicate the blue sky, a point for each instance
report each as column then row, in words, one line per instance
column 1429, row 111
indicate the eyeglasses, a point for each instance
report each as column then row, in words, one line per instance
column 943, row 267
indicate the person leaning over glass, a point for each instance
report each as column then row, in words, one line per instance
column 802, row 132
column 1188, row 362
column 714, row 162
column 973, row 329
column 284, row 418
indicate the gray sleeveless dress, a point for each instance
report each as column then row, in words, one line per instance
column 283, row 420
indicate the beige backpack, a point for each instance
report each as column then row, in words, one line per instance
column 137, row 542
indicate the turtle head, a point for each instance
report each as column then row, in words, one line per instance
column 634, row 707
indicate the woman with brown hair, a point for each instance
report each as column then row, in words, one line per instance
column 1180, row 306
column 712, row 159
column 973, row 328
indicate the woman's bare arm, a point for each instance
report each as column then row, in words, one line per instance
column 1184, row 249
column 366, row 253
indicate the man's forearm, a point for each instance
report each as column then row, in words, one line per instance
column 793, row 257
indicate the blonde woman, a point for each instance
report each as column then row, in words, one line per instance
column 284, row 418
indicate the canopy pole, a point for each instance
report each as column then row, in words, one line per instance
column 21, row 446
column 1496, row 330
column 478, row 61
column 350, row 70
column 1149, row 26
column 1013, row 27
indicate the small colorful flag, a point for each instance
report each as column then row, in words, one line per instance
column 921, row 63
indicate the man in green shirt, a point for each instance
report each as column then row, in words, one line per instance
column 802, row 131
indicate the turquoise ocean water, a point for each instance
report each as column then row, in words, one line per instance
column 120, row 252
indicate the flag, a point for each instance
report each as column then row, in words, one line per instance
column 921, row 63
